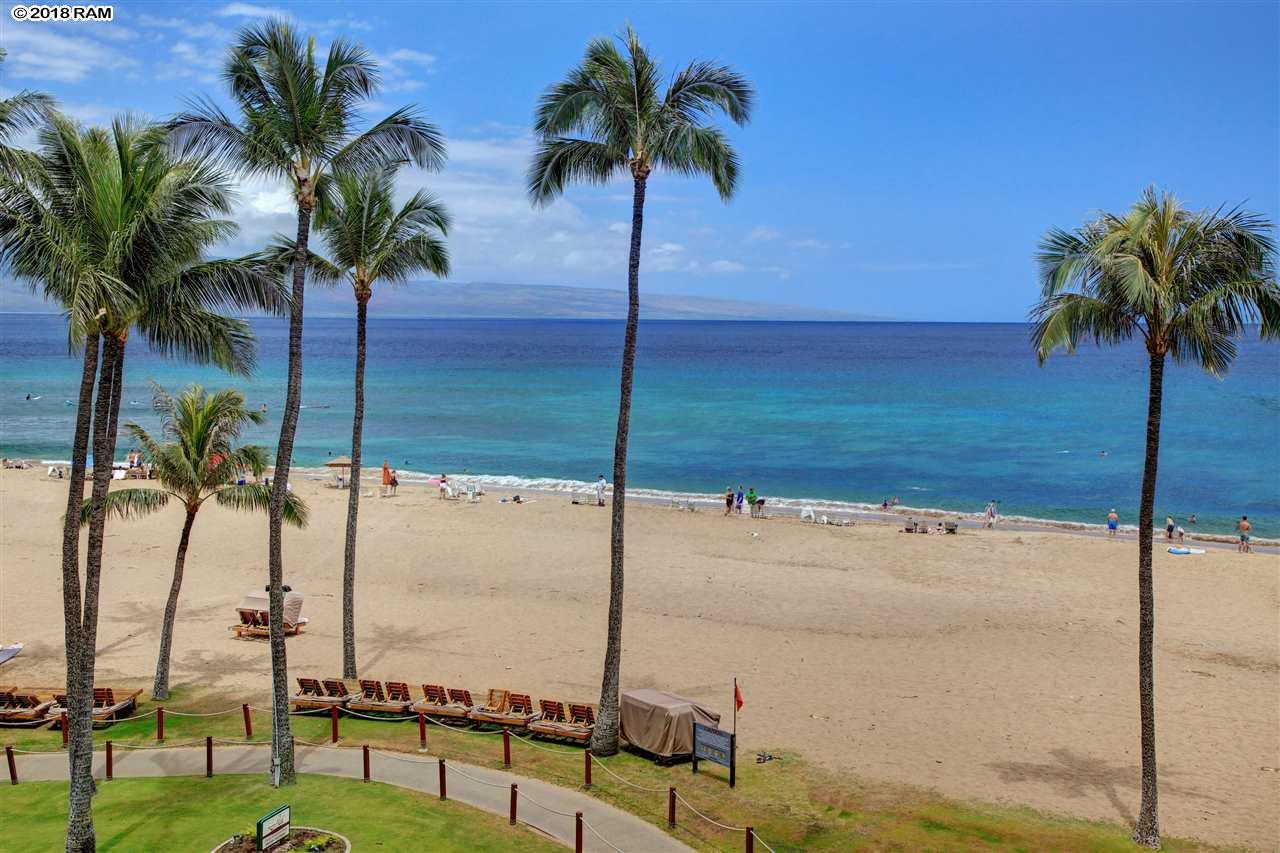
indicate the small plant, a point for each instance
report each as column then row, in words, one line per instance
column 319, row 843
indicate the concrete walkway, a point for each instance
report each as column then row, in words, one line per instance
column 547, row 808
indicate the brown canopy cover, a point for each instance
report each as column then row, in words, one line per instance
column 661, row 722
column 258, row 601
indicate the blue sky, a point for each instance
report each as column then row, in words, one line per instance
column 903, row 159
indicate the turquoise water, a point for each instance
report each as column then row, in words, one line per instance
column 940, row 415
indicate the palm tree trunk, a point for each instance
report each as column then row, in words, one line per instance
column 81, row 656
column 160, row 690
column 281, row 736
column 80, row 831
column 604, row 739
column 353, row 501
column 1147, row 831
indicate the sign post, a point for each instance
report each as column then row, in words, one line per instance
column 273, row 827
column 716, row 746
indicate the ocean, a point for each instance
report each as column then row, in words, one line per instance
column 944, row 416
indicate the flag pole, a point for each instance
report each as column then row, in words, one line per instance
column 735, row 704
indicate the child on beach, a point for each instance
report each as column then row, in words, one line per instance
column 395, row 480
column 600, row 484
column 445, row 488
column 1113, row 522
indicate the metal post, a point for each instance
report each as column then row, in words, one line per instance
column 506, row 748
column 13, row 767
column 514, row 794
column 577, row 832
column 62, row 724
column 671, row 808
column 751, row 840
column 586, row 768
column 333, row 723
column 442, row 790
column 160, row 724
column 366, row 762
column 422, row 732
column 248, row 722
column 110, row 763
column 208, row 757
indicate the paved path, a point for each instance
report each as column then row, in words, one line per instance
column 548, row 808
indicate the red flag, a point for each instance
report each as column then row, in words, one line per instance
column 737, row 696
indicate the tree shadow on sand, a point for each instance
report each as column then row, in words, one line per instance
column 1076, row 776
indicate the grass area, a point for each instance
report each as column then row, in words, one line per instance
column 793, row 805
column 194, row 813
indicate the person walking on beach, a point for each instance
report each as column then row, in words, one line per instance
column 1113, row 523
column 386, row 478
column 751, row 500
column 600, row 484
column 1244, row 527
column 1168, row 528
column 990, row 515
column 1181, row 533
column 728, row 499
column 395, row 480
column 738, row 500
column 445, row 488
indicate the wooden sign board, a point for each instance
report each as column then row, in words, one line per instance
column 273, row 827
column 716, row 746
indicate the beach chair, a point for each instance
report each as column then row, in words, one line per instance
column 576, row 725
column 312, row 695
column 494, row 706
column 910, row 527
column 373, row 699
column 951, row 527
column 505, row 708
column 438, row 702
column 23, row 707
column 108, row 704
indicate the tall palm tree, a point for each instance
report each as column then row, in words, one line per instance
column 1186, row 284
column 112, row 227
column 624, row 124
column 196, row 460
column 369, row 241
column 297, row 123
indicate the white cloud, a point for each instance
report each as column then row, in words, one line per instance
column 723, row 267
column 665, row 257
column 250, row 10
column 42, row 53
column 619, row 228
column 809, row 244
column 763, row 233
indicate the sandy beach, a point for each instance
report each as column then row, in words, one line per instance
column 993, row 665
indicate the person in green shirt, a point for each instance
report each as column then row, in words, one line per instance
column 751, row 500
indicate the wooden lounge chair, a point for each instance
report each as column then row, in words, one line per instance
column 438, row 702
column 555, row 723
column 108, row 704
column 373, row 699
column 313, row 695
column 518, row 712
column 493, row 708
column 23, row 706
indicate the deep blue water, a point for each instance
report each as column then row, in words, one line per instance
column 940, row 415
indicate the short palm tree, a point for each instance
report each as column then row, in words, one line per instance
column 197, row 459
column 370, row 241
column 298, row 123
column 112, row 227
column 607, row 118
column 1186, row 284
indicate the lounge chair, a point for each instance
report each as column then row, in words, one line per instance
column 312, row 695
column 910, row 527
column 951, row 527
column 495, row 706
column 553, row 722
column 438, row 702
column 373, row 699
column 108, row 704
column 255, row 620
column 505, row 708
column 23, row 707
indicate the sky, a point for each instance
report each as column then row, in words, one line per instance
column 902, row 160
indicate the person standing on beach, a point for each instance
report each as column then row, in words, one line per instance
column 1244, row 527
column 445, row 488
column 1181, row 533
column 1113, row 523
column 738, row 500
column 1168, row 528
column 395, row 480
column 990, row 515
column 600, row 484
column 751, row 500
column 386, row 478
column 728, row 499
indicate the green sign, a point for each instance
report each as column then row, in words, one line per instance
column 273, row 827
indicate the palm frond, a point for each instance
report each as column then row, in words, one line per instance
column 128, row 503
column 559, row 162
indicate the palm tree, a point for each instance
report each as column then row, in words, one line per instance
column 626, row 125
column 297, row 124
column 1186, row 284
column 18, row 112
column 198, row 461
column 112, row 227
column 370, row 241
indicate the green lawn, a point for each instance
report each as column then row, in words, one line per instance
column 793, row 805
column 190, row 813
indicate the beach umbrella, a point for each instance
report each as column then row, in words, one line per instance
column 339, row 462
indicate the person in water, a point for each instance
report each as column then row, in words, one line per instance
column 1243, row 526
column 1168, row 528
column 1113, row 523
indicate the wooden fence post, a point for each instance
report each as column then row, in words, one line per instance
column 248, row 722
column 514, row 794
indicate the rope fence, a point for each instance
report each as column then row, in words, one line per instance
column 160, row 713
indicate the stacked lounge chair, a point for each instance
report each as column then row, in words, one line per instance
column 373, row 699
column 554, row 722
column 313, row 694
column 452, row 704
column 108, row 704
column 23, row 707
column 506, row 709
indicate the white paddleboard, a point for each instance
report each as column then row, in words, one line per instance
column 7, row 652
